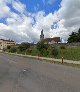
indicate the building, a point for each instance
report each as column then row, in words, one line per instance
column 52, row 40
column 49, row 40
column 5, row 43
column 41, row 36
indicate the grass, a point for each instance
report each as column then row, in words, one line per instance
column 70, row 53
column 50, row 61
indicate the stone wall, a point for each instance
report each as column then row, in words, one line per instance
column 67, row 44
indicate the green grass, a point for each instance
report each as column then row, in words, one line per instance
column 55, row 62
column 70, row 53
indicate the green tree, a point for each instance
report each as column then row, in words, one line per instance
column 42, row 48
column 8, row 47
column 24, row 46
column 13, row 49
column 74, row 37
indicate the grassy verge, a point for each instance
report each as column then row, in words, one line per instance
column 70, row 53
column 50, row 61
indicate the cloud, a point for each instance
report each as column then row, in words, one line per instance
column 70, row 13
column 26, row 26
column 51, row 1
column 19, row 6
column 4, row 9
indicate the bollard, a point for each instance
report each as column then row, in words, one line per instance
column 62, row 60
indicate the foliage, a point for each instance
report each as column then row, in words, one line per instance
column 29, row 51
column 8, row 47
column 49, row 50
column 70, row 53
column 24, row 46
column 74, row 37
column 42, row 48
column 54, row 51
column 13, row 49
column 41, row 45
column 62, row 47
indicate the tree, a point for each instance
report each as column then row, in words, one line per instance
column 74, row 37
column 8, row 47
column 42, row 48
column 24, row 46
column 13, row 49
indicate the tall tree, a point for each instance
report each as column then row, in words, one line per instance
column 74, row 37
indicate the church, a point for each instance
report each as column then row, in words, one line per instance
column 49, row 40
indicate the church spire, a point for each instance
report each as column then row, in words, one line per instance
column 42, row 35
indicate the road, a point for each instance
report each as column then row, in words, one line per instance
column 19, row 74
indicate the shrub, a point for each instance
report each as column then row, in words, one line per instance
column 42, row 48
column 8, row 47
column 49, row 50
column 29, row 50
column 54, row 52
column 24, row 46
column 41, row 45
column 62, row 47
column 13, row 49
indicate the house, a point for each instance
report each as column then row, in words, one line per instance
column 5, row 43
column 52, row 40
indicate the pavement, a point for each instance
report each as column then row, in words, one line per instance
column 21, row 74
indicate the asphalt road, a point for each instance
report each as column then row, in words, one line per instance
column 19, row 74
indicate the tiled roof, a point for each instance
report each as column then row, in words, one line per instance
column 56, row 39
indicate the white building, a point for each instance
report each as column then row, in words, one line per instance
column 5, row 43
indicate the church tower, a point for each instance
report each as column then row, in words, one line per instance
column 42, row 35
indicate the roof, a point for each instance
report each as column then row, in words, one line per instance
column 7, row 40
column 56, row 39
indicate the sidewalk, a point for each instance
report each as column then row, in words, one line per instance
column 44, row 58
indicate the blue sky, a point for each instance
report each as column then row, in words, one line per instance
column 23, row 20
column 39, row 5
column 33, row 6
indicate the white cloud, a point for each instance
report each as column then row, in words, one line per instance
column 19, row 6
column 51, row 1
column 70, row 13
column 27, row 26
column 4, row 9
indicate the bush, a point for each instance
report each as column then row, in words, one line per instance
column 24, row 46
column 29, row 51
column 54, row 52
column 8, row 47
column 13, row 49
column 41, row 45
column 49, row 50
column 62, row 47
column 42, row 48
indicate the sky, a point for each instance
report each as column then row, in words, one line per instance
column 23, row 20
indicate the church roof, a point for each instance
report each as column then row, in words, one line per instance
column 56, row 39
